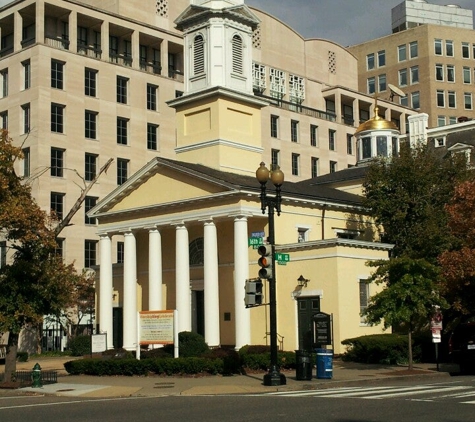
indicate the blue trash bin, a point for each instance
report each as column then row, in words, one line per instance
column 324, row 364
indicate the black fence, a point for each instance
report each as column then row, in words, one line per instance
column 24, row 377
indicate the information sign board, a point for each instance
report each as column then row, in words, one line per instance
column 156, row 327
column 322, row 328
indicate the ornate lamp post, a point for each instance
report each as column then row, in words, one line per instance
column 273, row 377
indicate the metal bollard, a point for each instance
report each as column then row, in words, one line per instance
column 36, row 376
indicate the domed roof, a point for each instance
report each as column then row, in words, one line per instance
column 376, row 123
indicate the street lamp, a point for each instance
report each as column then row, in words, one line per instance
column 273, row 377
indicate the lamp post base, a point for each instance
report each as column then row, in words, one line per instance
column 274, row 377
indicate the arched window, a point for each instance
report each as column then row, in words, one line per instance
column 198, row 55
column 237, row 54
column 196, row 251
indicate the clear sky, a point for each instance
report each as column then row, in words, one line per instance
column 346, row 22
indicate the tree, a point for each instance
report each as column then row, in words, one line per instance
column 36, row 281
column 406, row 196
column 458, row 264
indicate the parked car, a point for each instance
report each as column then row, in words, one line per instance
column 462, row 346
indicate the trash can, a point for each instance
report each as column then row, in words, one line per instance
column 303, row 368
column 324, row 364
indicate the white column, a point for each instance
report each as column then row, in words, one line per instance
column 130, row 291
column 211, row 284
column 154, row 270
column 135, row 50
column 182, row 268
column 40, row 22
column 164, row 57
column 73, row 31
column 241, row 273
column 106, row 289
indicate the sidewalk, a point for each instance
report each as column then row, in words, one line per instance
column 91, row 386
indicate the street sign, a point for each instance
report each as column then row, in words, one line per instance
column 282, row 258
column 258, row 234
column 255, row 242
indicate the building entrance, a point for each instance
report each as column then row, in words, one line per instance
column 307, row 308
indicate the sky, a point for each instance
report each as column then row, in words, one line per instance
column 346, row 22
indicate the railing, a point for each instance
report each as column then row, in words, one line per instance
column 24, row 377
column 151, row 67
column 176, row 74
column 280, row 340
column 3, row 351
column 122, row 59
column 88, row 51
column 312, row 112
column 27, row 42
column 59, row 42
column 6, row 51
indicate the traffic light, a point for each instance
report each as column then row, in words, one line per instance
column 253, row 296
column 265, row 262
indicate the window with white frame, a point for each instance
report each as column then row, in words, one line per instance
column 277, row 83
column 314, row 167
column 413, row 49
column 452, row 120
column 415, row 99
column 237, row 51
column 438, row 47
column 439, row 72
column 371, row 85
column 259, row 77
column 313, row 135
column 370, row 61
column 404, row 101
column 381, row 58
column 382, row 83
column 295, row 164
column 302, row 234
column 275, row 158
column 402, row 77
column 349, row 144
column 274, row 126
column 364, row 298
column 26, row 74
column 451, row 99
column 440, row 98
column 467, row 75
column 450, row 73
column 198, row 55
column 466, row 50
column 449, row 48
column 441, row 121
column 439, row 141
column 296, row 89
column 333, row 166
column 294, row 130
column 331, row 139
column 26, row 112
column 467, row 100
column 414, row 75
column 4, row 83
column 401, row 53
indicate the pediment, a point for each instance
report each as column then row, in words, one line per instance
column 193, row 13
column 459, row 146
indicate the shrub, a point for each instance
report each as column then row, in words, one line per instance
column 80, row 345
column 189, row 344
column 162, row 352
column 118, row 354
column 230, row 359
column 22, row 356
column 378, row 348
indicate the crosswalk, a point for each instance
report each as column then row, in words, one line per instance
column 429, row 392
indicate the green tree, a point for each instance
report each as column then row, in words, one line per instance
column 35, row 281
column 407, row 196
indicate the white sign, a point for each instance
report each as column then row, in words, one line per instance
column 156, row 327
column 98, row 343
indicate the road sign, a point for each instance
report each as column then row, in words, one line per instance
column 258, row 234
column 282, row 258
column 255, row 242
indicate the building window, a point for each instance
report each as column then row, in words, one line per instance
column 439, row 72
column 413, row 49
column 415, row 99
column 449, row 48
column 152, row 97
column 82, row 37
column 89, row 203
column 466, row 50
column 467, row 100
column 122, row 89
column 404, row 101
column 371, row 85
column 277, row 83
column 90, row 124
column 26, row 74
column 438, row 47
column 414, row 75
column 122, row 130
column 59, row 249
column 440, row 122
column 331, row 139
column 90, row 166
column 295, row 164
column 402, row 77
column 57, row 162
column 401, row 53
column 26, row 162
column 275, row 158
column 294, row 130
column 452, row 120
column 90, row 252
column 122, row 170
column 370, row 61
column 366, row 147
column 26, row 112
column 198, row 55
column 302, row 234
column 152, row 138
column 381, row 58
column 56, row 204
column 364, row 298
column 296, row 89
column 313, row 135
column 57, row 76
column 120, row 252
column 381, row 146
column 274, row 126
column 467, row 75
column 440, row 98
column 90, row 82
column 451, row 99
column 4, row 82
column 382, row 83
column 450, row 73
column 349, row 144
column 314, row 167
column 237, row 52
column 57, row 118
column 259, row 78
column 333, row 165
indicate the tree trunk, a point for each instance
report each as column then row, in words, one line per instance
column 409, row 337
column 10, row 359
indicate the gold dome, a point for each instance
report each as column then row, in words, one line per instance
column 376, row 123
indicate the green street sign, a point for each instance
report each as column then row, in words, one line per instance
column 255, row 242
column 282, row 258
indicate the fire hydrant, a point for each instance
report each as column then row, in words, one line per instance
column 36, row 376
